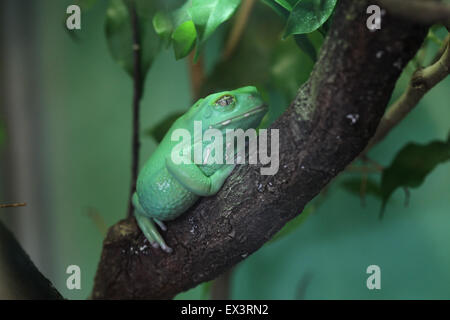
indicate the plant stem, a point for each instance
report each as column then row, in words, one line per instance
column 421, row 82
column 12, row 205
column 137, row 96
column 197, row 74
column 238, row 27
column 221, row 287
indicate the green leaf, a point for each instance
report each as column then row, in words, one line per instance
column 280, row 10
column 308, row 15
column 324, row 28
column 193, row 23
column 293, row 225
column 306, row 46
column 184, row 38
column 158, row 131
column 353, row 185
column 287, row 4
column 119, row 35
column 182, row 32
column 181, row 14
column 290, row 68
column 412, row 165
column 208, row 15
column 162, row 23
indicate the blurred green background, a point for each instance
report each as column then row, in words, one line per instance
column 67, row 154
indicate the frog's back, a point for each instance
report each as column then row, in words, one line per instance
column 159, row 193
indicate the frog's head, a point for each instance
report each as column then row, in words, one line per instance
column 242, row 108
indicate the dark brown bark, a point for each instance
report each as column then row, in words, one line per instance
column 19, row 277
column 221, row 287
column 328, row 124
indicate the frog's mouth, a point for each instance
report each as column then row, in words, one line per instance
column 251, row 112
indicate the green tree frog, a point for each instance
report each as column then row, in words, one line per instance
column 165, row 189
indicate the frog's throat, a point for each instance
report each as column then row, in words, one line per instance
column 258, row 109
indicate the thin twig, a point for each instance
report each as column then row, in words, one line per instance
column 441, row 50
column 98, row 221
column 221, row 287
column 374, row 163
column 363, row 188
column 197, row 73
column 13, row 205
column 362, row 169
column 238, row 27
column 137, row 95
column 421, row 82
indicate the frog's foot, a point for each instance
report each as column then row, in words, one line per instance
column 148, row 228
column 160, row 224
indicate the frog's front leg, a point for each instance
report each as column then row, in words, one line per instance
column 189, row 175
column 148, row 228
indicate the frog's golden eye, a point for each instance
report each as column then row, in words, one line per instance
column 225, row 100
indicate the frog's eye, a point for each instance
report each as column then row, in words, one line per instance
column 225, row 100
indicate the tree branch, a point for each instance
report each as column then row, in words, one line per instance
column 12, row 205
column 197, row 74
column 442, row 49
column 19, row 277
column 327, row 125
column 422, row 11
column 238, row 28
column 137, row 96
column 221, row 287
column 421, row 82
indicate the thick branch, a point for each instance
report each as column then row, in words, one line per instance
column 19, row 277
column 328, row 124
column 423, row 11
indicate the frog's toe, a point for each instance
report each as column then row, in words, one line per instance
column 161, row 224
column 151, row 240
column 148, row 234
column 166, row 248
column 154, row 244
column 150, row 231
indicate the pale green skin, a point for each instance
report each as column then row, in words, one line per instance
column 164, row 189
